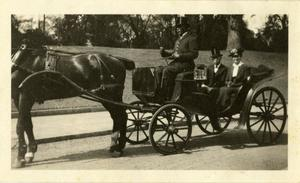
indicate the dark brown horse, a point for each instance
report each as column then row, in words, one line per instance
column 101, row 73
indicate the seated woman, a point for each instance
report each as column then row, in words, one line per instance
column 236, row 77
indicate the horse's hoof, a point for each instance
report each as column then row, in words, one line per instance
column 29, row 157
column 113, row 148
column 117, row 154
column 19, row 163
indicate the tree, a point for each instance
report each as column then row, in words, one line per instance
column 234, row 34
column 275, row 33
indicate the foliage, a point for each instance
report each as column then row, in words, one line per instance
column 153, row 31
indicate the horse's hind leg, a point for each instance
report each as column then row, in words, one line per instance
column 24, row 124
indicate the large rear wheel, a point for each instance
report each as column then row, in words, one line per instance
column 170, row 129
column 267, row 116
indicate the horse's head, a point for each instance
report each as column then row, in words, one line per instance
column 27, row 51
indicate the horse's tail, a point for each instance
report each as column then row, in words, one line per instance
column 129, row 64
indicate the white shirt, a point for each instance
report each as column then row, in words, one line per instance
column 216, row 68
column 236, row 69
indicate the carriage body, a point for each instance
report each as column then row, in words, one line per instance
column 256, row 103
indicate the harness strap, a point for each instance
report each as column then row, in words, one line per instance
column 101, row 62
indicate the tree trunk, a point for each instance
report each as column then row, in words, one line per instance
column 234, row 37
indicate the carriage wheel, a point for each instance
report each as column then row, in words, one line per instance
column 170, row 129
column 267, row 116
column 137, row 124
column 205, row 125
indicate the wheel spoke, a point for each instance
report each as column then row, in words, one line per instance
column 175, row 115
column 207, row 125
column 256, row 122
column 259, row 106
column 131, row 120
column 264, row 99
column 270, row 99
column 182, row 128
column 137, row 133
column 270, row 131
column 274, row 103
column 274, row 125
column 281, row 117
column 164, row 126
column 259, row 128
column 180, row 137
column 132, row 114
column 265, row 127
column 166, row 144
column 276, row 110
column 130, row 125
column 131, row 132
column 255, row 113
column 144, row 132
column 162, row 137
column 202, row 118
column 174, row 143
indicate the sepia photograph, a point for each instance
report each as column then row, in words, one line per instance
column 127, row 89
column 140, row 91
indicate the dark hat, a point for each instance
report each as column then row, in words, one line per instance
column 215, row 53
column 236, row 52
column 182, row 22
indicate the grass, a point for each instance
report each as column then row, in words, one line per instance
column 151, row 57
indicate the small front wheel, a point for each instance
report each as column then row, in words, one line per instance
column 170, row 129
column 138, row 124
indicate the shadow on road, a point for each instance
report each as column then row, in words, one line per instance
column 230, row 139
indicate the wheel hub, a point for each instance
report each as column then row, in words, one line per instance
column 139, row 122
column 268, row 116
column 172, row 130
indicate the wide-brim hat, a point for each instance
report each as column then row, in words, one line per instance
column 236, row 52
column 215, row 53
column 182, row 22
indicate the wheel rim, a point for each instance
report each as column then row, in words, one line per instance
column 205, row 125
column 267, row 116
column 137, row 125
column 170, row 129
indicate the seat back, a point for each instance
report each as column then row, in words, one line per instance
column 145, row 81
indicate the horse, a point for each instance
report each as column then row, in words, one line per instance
column 100, row 73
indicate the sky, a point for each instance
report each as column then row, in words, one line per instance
column 254, row 22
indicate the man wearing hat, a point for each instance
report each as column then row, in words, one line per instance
column 216, row 72
column 182, row 57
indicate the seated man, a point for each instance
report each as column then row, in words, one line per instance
column 183, row 55
column 216, row 72
column 236, row 77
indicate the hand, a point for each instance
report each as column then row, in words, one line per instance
column 175, row 55
column 204, row 86
column 161, row 50
column 228, row 84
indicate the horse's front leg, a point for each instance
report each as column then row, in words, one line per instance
column 118, row 138
column 24, row 124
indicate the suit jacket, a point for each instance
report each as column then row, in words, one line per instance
column 242, row 75
column 216, row 79
column 186, row 47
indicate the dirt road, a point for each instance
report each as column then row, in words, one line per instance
column 231, row 150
